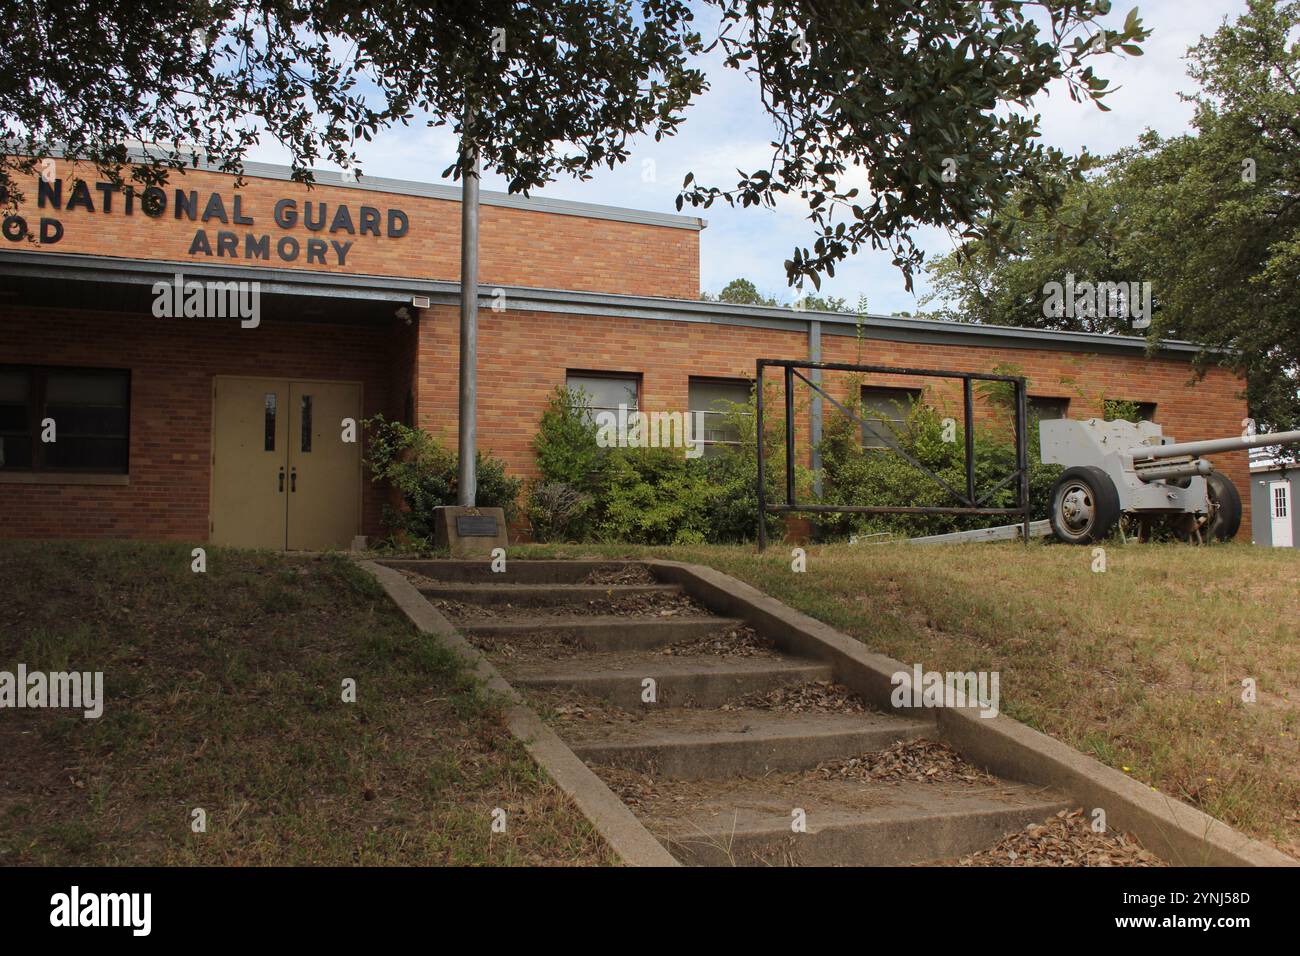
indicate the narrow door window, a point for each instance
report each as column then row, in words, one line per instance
column 306, row 423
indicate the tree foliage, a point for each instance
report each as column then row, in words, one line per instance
column 874, row 104
column 556, row 86
column 894, row 114
column 742, row 291
column 424, row 472
column 1211, row 219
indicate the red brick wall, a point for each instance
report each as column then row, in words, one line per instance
column 1187, row 411
column 524, row 355
column 172, row 364
column 517, row 247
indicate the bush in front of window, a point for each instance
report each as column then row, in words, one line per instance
column 424, row 472
column 853, row 475
column 650, row 495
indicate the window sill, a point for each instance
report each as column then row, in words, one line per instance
column 60, row 478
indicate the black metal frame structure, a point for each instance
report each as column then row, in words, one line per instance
column 970, row 504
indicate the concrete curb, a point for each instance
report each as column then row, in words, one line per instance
column 612, row 819
column 1175, row 831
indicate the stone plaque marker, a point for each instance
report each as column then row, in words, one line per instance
column 470, row 532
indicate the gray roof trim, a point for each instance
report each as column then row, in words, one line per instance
column 880, row 327
column 488, row 197
column 401, row 289
column 62, row 266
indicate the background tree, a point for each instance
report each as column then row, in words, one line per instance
column 1210, row 219
column 823, row 303
column 930, row 101
column 742, row 292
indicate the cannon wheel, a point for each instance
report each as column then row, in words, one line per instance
column 1224, row 518
column 1221, row 521
column 1085, row 505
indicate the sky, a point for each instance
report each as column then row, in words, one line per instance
column 725, row 129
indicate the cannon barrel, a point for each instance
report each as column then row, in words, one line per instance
column 1169, row 469
column 1213, row 446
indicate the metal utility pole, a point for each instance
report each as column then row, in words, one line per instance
column 467, row 477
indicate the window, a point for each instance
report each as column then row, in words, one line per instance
column 1047, row 409
column 88, row 411
column 305, row 424
column 268, row 425
column 15, row 418
column 605, row 392
column 885, row 411
column 710, row 400
column 1129, row 411
column 1279, row 500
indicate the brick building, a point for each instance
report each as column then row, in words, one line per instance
column 216, row 429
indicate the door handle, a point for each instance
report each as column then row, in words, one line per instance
column 282, row 479
column 293, row 479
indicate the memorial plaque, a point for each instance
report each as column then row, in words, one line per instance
column 476, row 526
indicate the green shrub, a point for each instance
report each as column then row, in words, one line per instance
column 853, row 475
column 1119, row 410
column 734, row 515
column 565, row 443
column 424, row 473
column 655, row 496
column 564, row 504
column 649, row 495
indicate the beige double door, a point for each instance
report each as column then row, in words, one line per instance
column 284, row 472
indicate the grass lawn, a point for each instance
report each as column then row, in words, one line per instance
column 223, row 691
column 1141, row 666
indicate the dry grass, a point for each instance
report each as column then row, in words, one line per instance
column 224, row 692
column 1141, row 666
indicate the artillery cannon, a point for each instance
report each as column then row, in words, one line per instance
column 1120, row 470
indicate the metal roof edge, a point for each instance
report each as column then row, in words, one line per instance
column 615, row 305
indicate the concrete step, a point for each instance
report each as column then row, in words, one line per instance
column 708, row 744
column 518, row 572
column 849, row 823
column 602, row 632
column 501, row 595
column 698, row 681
